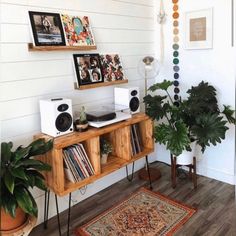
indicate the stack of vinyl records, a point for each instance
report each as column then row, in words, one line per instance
column 136, row 142
column 77, row 165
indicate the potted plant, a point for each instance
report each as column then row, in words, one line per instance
column 19, row 172
column 106, row 149
column 81, row 124
column 195, row 119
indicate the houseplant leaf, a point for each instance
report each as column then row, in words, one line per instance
column 175, row 138
column 229, row 114
column 9, row 181
column 39, row 147
column 209, row 129
column 24, row 200
column 6, row 151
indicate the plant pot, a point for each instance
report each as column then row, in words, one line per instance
column 104, row 158
column 9, row 223
column 186, row 157
column 23, row 228
column 81, row 127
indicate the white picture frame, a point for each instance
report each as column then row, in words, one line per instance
column 199, row 29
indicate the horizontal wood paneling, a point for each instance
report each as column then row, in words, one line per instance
column 97, row 20
column 19, row 52
column 126, row 27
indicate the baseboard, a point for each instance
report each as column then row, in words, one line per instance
column 217, row 174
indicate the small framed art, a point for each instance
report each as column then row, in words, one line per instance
column 112, row 68
column 77, row 30
column 199, row 29
column 88, row 69
column 47, row 29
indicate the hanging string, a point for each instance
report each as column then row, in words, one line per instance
column 175, row 47
column 161, row 17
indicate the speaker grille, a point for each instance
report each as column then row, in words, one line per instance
column 63, row 122
column 134, row 104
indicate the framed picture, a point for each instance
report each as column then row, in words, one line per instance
column 199, row 29
column 47, row 29
column 77, row 30
column 112, row 69
column 88, row 69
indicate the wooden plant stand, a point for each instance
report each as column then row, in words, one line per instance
column 192, row 171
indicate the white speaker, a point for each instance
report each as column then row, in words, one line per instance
column 56, row 116
column 128, row 97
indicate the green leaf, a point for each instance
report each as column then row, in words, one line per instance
column 209, row 129
column 175, row 138
column 21, row 153
column 39, row 147
column 36, row 164
column 6, row 151
column 163, row 85
column 229, row 114
column 18, row 172
column 24, row 200
column 9, row 181
column 154, row 106
column 40, row 183
column 10, row 206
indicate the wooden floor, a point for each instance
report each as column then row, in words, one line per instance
column 214, row 200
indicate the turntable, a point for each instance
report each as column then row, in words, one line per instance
column 107, row 115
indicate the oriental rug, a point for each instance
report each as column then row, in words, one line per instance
column 143, row 213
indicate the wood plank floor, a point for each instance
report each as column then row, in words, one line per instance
column 214, row 200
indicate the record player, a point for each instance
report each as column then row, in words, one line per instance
column 107, row 115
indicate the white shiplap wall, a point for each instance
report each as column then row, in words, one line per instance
column 125, row 27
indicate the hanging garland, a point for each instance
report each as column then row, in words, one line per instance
column 175, row 47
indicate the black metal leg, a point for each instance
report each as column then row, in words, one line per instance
column 46, row 208
column 149, row 176
column 68, row 222
column 132, row 174
column 58, row 217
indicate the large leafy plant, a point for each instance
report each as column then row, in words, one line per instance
column 197, row 118
column 19, row 172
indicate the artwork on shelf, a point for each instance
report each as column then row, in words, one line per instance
column 112, row 69
column 47, row 29
column 88, row 69
column 199, row 29
column 77, row 30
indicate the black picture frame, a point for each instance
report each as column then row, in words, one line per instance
column 47, row 29
column 88, row 68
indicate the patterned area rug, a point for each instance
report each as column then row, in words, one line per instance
column 144, row 213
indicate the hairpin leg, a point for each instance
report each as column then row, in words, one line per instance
column 132, row 174
column 58, row 217
column 46, row 208
column 68, row 221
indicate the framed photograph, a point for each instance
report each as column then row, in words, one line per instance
column 88, row 69
column 47, row 29
column 199, row 29
column 77, row 30
column 112, row 69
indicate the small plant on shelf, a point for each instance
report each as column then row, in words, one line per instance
column 105, row 148
column 81, row 124
column 19, row 172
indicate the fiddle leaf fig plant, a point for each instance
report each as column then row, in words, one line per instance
column 197, row 118
column 20, row 172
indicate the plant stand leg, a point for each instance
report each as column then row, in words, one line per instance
column 174, row 173
column 149, row 176
column 194, row 172
column 172, row 167
column 46, row 208
column 132, row 174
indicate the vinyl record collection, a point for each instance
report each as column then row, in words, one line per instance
column 76, row 163
column 136, row 142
